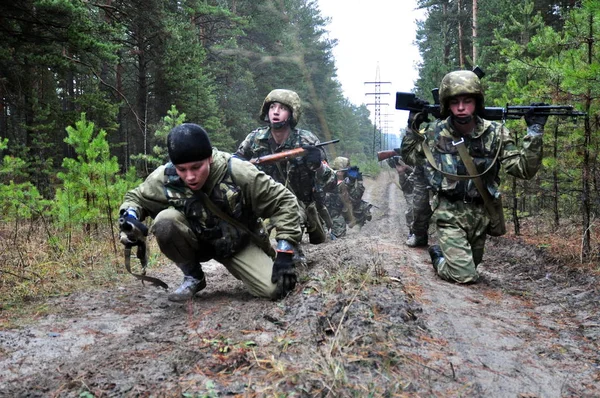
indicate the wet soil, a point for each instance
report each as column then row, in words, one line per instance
column 368, row 318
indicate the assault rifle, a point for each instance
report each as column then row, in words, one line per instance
column 285, row 155
column 383, row 155
column 138, row 231
column 410, row 102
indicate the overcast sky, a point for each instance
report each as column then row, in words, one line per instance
column 375, row 35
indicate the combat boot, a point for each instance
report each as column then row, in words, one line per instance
column 416, row 240
column 188, row 289
column 437, row 256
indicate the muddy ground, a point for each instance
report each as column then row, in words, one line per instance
column 368, row 318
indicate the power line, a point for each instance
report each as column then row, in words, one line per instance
column 377, row 125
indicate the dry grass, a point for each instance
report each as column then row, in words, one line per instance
column 34, row 267
column 563, row 245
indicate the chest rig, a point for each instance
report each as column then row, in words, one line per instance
column 293, row 173
column 217, row 237
column 483, row 149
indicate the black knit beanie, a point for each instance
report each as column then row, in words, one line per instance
column 187, row 143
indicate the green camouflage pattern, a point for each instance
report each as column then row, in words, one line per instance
column 288, row 98
column 482, row 145
column 346, row 206
column 461, row 232
column 461, row 227
column 461, row 82
column 292, row 173
column 340, row 163
column 420, row 207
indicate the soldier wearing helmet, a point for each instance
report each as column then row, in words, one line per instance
column 460, row 216
column 345, row 205
column 304, row 175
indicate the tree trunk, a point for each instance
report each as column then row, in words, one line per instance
column 474, row 33
column 585, row 175
column 461, row 50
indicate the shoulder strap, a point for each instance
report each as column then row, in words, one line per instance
column 432, row 162
column 472, row 170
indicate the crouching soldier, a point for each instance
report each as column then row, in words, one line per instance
column 208, row 205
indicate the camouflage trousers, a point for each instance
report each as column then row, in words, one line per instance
column 421, row 209
column 339, row 222
column 407, row 191
column 461, row 232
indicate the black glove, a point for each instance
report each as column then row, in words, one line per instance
column 312, row 157
column 353, row 173
column 283, row 273
column 133, row 231
column 532, row 118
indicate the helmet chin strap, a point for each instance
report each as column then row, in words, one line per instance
column 462, row 120
column 280, row 125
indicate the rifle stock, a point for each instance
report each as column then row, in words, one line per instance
column 383, row 155
column 285, row 155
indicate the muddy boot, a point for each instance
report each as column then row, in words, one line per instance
column 416, row 240
column 188, row 288
column 437, row 257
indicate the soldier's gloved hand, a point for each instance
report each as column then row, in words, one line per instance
column 283, row 273
column 312, row 157
column 535, row 121
column 415, row 119
column 133, row 231
column 353, row 173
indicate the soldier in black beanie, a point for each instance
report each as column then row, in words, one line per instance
column 207, row 205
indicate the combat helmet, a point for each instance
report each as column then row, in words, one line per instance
column 288, row 98
column 460, row 82
column 340, row 163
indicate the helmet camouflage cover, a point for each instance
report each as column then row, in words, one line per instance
column 461, row 82
column 288, row 98
column 340, row 163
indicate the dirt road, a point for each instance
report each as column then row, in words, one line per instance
column 369, row 317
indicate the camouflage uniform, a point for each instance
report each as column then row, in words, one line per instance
column 294, row 174
column 345, row 205
column 406, row 185
column 459, row 213
column 421, row 208
column 188, row 233
column 460, row 216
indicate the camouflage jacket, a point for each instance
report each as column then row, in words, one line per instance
column 237, row 188
column 347, row 192
column 293, row 173
column 483, row 144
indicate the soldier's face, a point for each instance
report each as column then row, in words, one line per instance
column 194, row 174
column 462, row 105
column 278, row 112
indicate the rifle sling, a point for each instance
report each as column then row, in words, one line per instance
column 224, row 216
column 143, row 277
column 471, row 169
column 432, row 162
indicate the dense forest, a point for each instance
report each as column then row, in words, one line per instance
column 88, row 91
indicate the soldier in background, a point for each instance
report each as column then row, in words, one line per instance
column 406, row 186
column 345, row 205
column 305, row 176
